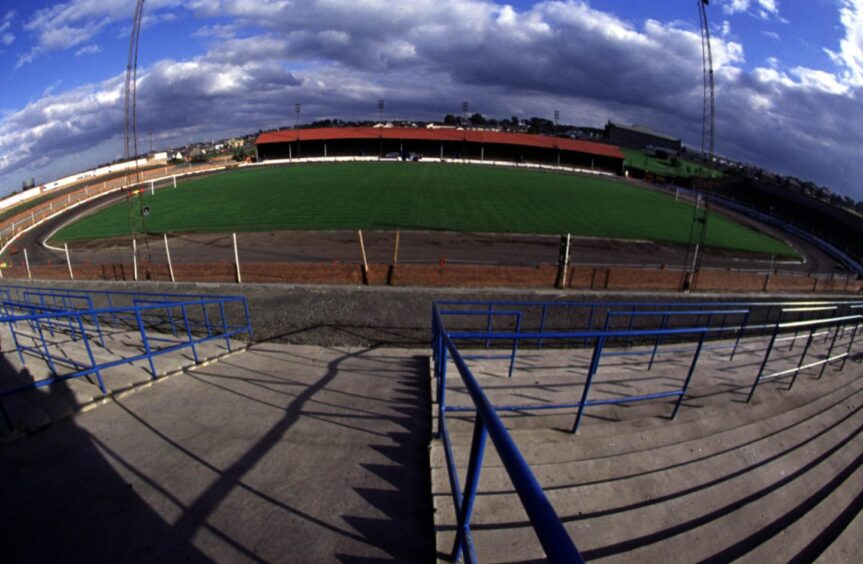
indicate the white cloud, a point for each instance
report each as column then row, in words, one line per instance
column 216, row 31
column 735, row 6
column 850, row 54
column 88, row 50
column 75, row 22
column 427, row 56
column 761, row 8
column 7, row 38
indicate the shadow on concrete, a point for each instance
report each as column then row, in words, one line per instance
column 404, row 531
column 81, row 510
column 64, row 498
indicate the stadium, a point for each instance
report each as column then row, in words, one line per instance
column 429, row 343
column 431, row 207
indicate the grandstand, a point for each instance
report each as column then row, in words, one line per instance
column 445, row 144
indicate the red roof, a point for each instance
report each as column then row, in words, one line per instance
column 471, row 136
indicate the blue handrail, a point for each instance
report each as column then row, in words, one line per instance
column 82, row 323
column 556, row 542
column 550, row 531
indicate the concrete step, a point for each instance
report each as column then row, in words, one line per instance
column 645, row 503
column 33, row 409
column 733, row 530
column 671, row 531
column 797, row 540
column 721, row 480
column 650, row 418
column 691, row 457
column 553, row 381
column 846, row 548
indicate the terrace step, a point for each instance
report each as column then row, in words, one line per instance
column 704, row 433
column 687, row 491
column 725, row 476
column 797, row 540
column 33, row 409
column 846, row 548
column 698, row 412
column 588, row 461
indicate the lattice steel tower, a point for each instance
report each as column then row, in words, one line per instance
column 137, row 225
column 698, row 230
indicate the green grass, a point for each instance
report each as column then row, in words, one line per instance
column 420, row 197
column 634, row 158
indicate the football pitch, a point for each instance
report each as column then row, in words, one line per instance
column 418, row 196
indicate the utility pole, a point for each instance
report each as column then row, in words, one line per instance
column 381, row 111
column 297, row 112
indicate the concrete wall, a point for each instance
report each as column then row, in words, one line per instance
column 369, row 315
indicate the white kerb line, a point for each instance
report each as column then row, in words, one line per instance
column 237, row 260
column 68, row 261
column 27, row 263
column 168, row 254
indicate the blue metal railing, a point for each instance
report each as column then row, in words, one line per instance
column 769, row 310
column 790, row 320
column 193, row 320
column 552, row 535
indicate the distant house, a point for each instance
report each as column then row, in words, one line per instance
column 639, row 137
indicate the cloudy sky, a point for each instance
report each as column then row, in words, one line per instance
column 789, row 72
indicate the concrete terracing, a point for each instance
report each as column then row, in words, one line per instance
column 772, row 480
column 294, row 452
column 33, row 409
column 279, row 453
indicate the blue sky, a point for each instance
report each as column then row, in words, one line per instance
column 789, row 72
